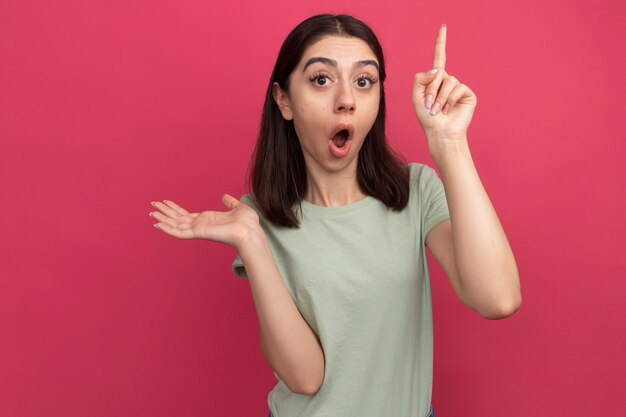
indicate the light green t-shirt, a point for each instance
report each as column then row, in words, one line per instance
column 359, row 276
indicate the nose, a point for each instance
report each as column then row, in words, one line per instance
column 345, row 99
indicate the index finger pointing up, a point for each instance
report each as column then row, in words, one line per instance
column 439, row 61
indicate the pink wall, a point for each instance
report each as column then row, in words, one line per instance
column 105, row 106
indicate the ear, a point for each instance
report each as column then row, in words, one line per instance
column 282, row 100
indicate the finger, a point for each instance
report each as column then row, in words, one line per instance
column 165, row 209
column 176, row 207
column 421, row 81
column 433, row 88
column 230, row 201
column 439, row 60
column 172, row 231
column 424, row 78
column 162, row 218
column 469, row 97
column 454, row 96
column 442, row 97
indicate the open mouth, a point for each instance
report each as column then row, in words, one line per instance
column 341, row 138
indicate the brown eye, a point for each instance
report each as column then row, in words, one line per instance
column 365, row 82
column 320, row 79
column 323, row 78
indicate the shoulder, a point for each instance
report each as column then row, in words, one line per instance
column 249, row 200
column 421, row 173
column 246, row 198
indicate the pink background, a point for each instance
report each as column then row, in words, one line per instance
column 106, row 106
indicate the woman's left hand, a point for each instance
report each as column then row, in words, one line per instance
column 443, row 105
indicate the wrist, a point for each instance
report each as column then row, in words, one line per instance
column 253, row 237
column 443, row 150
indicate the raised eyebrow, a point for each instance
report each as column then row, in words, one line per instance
column 333, row 63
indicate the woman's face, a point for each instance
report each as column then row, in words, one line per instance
column 335, row 86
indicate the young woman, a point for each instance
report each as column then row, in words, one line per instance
column 332, row 239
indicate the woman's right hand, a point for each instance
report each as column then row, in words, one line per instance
column 231, row 227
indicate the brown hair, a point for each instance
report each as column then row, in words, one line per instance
column 277, row 170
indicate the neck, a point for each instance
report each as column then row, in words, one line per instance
column 333, row 188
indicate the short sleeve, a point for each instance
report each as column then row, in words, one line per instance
column 237, row 266
column 434, row 206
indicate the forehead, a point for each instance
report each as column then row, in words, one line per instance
column 339, row 48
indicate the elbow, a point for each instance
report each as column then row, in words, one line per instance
column 304, row 380
column 505, row 303
column 302, row 388
column 313, row 384
column 307, row 388
column 503, row 311
column 310, row 389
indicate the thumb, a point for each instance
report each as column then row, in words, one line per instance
column 422, row 79
column 230, row 201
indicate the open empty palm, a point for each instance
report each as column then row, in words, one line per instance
column 228, row 227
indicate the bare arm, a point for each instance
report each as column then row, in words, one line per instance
column 472, row 247
column 288, row 343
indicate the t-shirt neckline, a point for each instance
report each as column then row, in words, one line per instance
column 347, row 208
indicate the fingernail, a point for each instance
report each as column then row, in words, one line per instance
column 152, row 202
column 434, row 70
column 445, row 108
column 435, row 108
column 429, row 101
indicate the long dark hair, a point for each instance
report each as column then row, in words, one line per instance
column 277, row 172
